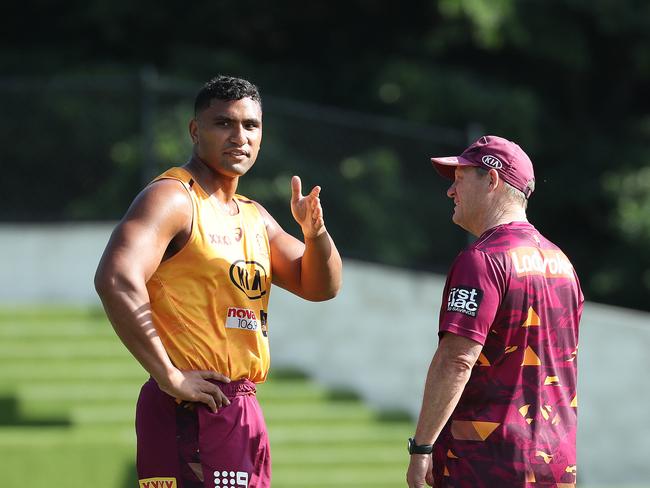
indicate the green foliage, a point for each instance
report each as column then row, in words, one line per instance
column 487, row 17
column 367, row 176
column 632, row 212
column 565, row 79
column 448, row 95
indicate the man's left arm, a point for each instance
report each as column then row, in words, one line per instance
column 311, row 270
column 448, row 374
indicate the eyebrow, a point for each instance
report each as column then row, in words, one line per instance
column 225, row 118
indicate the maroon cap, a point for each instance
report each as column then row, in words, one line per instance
column 493, row 152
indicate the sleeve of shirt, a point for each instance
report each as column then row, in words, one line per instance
column 473, row 292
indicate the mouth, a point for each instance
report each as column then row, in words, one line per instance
column 237, row 153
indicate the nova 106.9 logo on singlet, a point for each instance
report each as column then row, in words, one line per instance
column 245, row 319
column 242, row 318
column 250, row 277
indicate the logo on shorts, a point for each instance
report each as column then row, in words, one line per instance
column 228, row 479
column 158, row 483
column 250, row 277
column 464, row 299
column 492, row 161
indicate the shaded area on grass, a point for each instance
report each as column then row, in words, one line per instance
column 10, row 415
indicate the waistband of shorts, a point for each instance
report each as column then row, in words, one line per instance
column 235, row 388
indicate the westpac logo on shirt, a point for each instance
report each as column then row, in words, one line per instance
column 464, row 299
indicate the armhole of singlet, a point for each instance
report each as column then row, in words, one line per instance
column 252, row 206
column 189, row 188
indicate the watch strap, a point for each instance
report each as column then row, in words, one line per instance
column 414, row 448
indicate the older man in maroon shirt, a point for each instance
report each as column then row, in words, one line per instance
column 500, row 405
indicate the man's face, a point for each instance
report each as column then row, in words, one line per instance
column 468, row 191
column 227, row 135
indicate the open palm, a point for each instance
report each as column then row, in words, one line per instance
column 307, row 209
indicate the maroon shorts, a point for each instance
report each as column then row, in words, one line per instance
column 181, row 447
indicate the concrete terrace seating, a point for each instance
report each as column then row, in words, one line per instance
column 67, row 399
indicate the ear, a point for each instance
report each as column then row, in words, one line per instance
column 194, row 131
column 495, row 181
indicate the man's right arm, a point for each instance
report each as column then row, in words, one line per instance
column 138, row 244
column 448, row 374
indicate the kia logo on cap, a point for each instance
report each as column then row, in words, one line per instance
column 492, row 161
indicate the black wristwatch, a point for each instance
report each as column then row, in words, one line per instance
column 419, row 449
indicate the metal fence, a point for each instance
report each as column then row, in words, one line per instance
column 79, row 148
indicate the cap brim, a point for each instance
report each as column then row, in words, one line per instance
column 446, row 166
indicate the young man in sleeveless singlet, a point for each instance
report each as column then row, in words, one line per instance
column 500, row 405
column 185, row 281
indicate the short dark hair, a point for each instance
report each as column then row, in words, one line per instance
column 225, row 88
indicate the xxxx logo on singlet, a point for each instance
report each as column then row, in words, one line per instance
column 250, row 277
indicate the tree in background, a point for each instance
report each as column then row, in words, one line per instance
column 565, row 79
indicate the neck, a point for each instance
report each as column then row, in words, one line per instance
column 503, row 215
column 214, row 183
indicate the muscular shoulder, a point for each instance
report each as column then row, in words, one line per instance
column 164, row 203
column 160, row 214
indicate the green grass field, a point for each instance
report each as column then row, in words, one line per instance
column 67, row 401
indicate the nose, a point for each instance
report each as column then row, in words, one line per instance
column 238, row 135
column 451, row 191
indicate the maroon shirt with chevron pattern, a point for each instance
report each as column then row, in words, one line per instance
column 516, row 293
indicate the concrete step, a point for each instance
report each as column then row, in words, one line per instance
column 21, row 371
column 79, row 348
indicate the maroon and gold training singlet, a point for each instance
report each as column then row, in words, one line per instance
column 515, row 424
column 210, row 300
column 209, row 304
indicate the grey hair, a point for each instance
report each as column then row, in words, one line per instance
column 514, row 195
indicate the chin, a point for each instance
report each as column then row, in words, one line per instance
column 240, row 170
column 233, row 170
column 460, row 223
column 239, row 167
